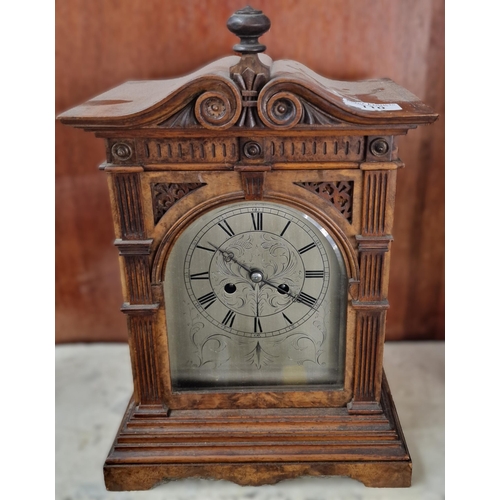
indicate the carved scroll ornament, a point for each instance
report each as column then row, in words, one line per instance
column 258, row 102
column 249, row 104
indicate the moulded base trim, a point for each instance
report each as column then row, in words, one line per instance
column 257, row 447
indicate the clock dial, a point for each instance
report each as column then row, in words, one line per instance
column 268, row 268
column 259, row 286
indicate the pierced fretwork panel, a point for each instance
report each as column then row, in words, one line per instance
column 166, row 194
column 339, row 194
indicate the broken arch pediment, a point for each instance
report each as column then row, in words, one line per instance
column 229, row 93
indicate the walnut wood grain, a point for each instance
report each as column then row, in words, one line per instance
column 369, row 341
column 253, row 128
column 381, row 474
column 129, row 205
column 151, row 448
column 280, row 102
column 143, row 355
column 401, row 40
column 371, row 303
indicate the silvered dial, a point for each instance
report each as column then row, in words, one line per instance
column 255, row 295
column 257, row 271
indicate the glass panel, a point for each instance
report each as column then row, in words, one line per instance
column 256, row 295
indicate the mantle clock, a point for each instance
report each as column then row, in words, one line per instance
column 253, row 203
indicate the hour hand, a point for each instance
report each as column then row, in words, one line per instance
column 282, row 290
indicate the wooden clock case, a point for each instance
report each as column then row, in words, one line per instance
column 248, row 128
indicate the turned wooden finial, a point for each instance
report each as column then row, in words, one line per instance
column 249, row 24
column 250, row 74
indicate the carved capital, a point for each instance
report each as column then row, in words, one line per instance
column 139, row 309
column 133, row 247
column 374, row 243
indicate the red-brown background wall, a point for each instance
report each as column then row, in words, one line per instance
column 102, row 43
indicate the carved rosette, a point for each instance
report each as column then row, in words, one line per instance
column 217, row 106
column 121, row 151
column 282, row 110
column 217, row 110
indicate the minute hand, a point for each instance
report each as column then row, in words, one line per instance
column 246, row 268
column 230, row 256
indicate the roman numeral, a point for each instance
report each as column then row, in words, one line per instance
column 307, row 248
column 286, row 227
column 257, row 327
column 200, row 276
column 287, row 319
column 229, row 318
column 207, row 299
column 306, row 299
column 315, row 274
column 205, row 248
column 257, row 220
column 226, row 227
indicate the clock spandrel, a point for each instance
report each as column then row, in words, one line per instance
column 262, row 289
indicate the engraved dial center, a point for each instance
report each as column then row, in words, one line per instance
column 257, row 269
column 256, row 276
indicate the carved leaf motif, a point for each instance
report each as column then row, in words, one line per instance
column 339, row 194
column 314, row 116
column 166, row 194
column 250, row 84
column 184, row 118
